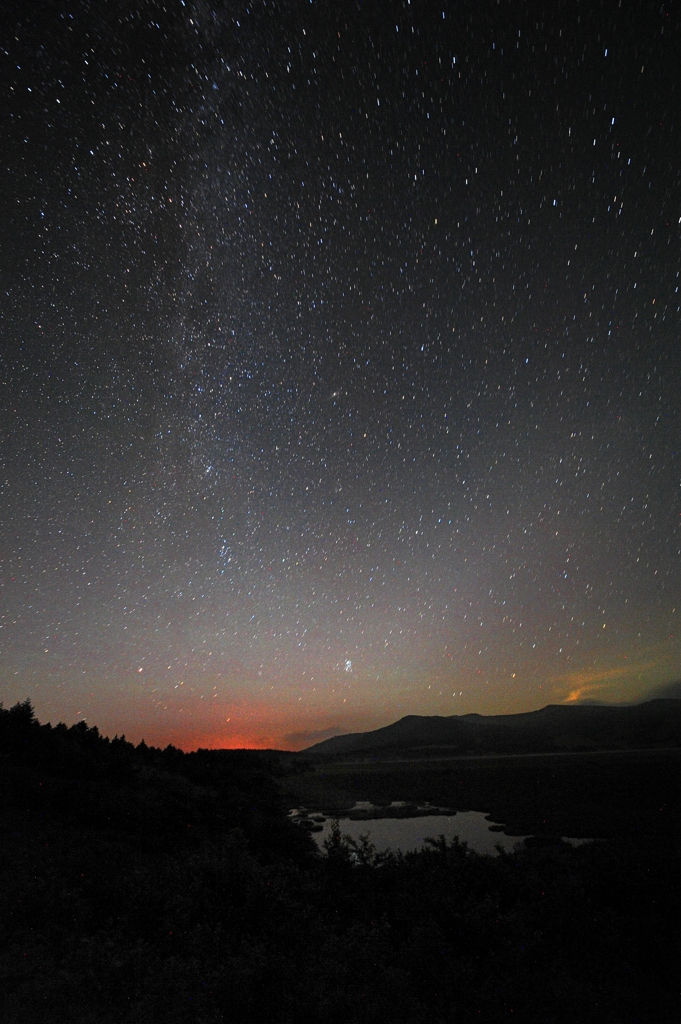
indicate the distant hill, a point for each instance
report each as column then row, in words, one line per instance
column 656, row 723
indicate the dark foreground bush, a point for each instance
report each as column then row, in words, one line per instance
column 174, row 890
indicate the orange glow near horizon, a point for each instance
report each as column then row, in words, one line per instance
column 283, row 712
column 629, row 680
column 260, row 737
column 257, row 728
column 261, row 727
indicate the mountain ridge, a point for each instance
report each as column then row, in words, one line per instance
column 554, row 727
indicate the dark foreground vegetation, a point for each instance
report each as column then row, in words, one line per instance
column 145, row 885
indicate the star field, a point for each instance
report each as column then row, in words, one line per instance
column 340, row 363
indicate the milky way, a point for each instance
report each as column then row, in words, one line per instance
column 340, row 363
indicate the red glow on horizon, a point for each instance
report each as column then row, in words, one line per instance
column 261, row 734
column 248, row 725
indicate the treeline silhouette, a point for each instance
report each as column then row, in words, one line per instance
column 146, row 885
column 78, row 777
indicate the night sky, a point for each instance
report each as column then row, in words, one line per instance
column 340, row 362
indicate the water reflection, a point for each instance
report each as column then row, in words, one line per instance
column 408, row 834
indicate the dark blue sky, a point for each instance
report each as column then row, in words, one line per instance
column 339, row 362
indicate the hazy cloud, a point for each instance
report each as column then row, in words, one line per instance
column 307, row 737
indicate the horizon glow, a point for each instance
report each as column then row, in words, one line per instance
column 340, row 370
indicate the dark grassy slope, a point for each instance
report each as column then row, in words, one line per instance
column 556, row 727
column 140, row 886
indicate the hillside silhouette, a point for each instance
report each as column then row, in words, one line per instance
column 557, row 727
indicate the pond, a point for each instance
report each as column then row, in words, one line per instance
column 392, row 827
column 408, row 834
column 401, row 826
